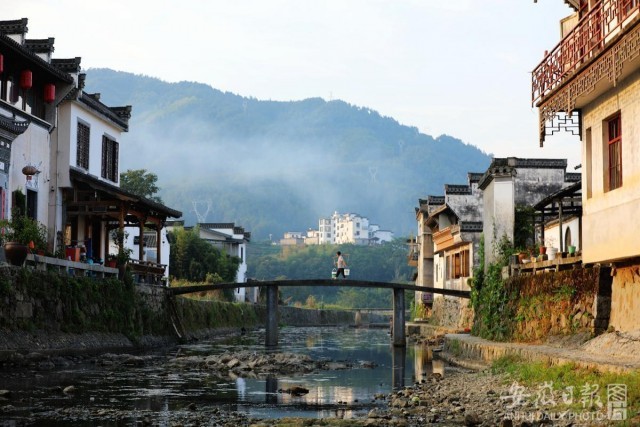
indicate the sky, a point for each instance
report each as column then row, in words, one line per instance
column 455, row 67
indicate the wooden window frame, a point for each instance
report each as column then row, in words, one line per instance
column 109, row 159
column 614, row 152
column 83, row 143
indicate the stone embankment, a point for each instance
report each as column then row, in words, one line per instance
column 612, row 352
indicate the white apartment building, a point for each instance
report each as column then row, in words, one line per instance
column 350, row 228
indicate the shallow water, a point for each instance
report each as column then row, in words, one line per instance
column 126, row 393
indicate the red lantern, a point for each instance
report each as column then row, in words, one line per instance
column 49, row 93
column 26, row 79
column 1, row 63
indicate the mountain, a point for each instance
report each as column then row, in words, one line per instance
column 272, row 166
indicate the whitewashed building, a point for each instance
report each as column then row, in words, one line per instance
column 59, row 146
column 589, row 84
column 351, row 228
column 232, row 240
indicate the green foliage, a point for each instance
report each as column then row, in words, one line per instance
column 82, row 304
column 568, row 376
column 382, row 263
column 124, row 253
column 24, row 230
column 523, row 229
column 489, row 296
column 196, row 315
column 196, row 260
column 141, row 183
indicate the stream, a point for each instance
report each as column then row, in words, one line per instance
column 151, row 392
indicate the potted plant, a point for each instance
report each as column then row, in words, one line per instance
column 552, row 250
column 111, row 261
column 21, row 234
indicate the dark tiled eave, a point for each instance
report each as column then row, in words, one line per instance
column 119, row 115
column 12, row 126
column 67, row 65
column 16, row 26
column 29, row 56
column 471, row 226
column 40, row 45
column 457, row 189
column 573, row 177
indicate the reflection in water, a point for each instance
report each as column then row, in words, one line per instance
column 271, row 390
column 438, row 366
column 422, row 360
column 158, row 387
column 398, row 363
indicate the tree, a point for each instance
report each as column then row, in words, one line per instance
column 192, row 258
column 141, row 183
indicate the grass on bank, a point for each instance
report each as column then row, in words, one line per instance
column 573, row 381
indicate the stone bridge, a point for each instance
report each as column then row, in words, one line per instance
column 397, row 329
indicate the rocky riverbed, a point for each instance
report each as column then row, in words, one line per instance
column 459, row 397
column 200, row 385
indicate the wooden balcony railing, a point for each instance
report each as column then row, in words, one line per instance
column 72, row 268
column 147, row 271
column 594, row 30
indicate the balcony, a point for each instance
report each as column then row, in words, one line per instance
column 602, row 49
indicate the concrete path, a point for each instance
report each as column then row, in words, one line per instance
column 608, row 352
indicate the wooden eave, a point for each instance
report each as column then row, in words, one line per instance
column 92, row 196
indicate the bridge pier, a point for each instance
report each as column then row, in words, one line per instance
column 271, row 338
column 398, row 318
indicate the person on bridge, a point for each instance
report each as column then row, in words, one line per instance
column 341, row 264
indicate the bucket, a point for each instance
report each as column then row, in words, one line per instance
column 346, row 271
column 333, row 273
column 552, row 252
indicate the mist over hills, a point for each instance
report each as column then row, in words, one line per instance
column 272, row 166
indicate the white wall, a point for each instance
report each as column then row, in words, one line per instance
column 32, row 147
column 499, row 213
column 609, row 229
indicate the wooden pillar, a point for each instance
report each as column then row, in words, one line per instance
column 141, row 238
column 271, row 339
column 398, row 318
column 560, row 225
column 159, row 244
column 541, row 226
column 121, row 229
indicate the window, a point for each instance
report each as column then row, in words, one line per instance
column 109, row 159
column 32, row 204
column 614, row 152
column 82, row 152
column 589, row 166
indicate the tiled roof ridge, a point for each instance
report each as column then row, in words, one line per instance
column 67, row 65
column 40, row 45
column 120, row 115
column 15, row 26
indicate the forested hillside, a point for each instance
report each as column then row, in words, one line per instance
column 380, row 263
column 274, row 166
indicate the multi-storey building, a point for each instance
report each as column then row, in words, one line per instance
column 350, row 228
column 447, row 247
column 589, row 83
column 511, row 184
column 455, row 227
column 59, row 146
